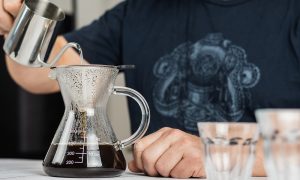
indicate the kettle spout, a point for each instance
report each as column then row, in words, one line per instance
column 59, row 55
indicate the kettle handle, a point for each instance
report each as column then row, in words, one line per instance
column 59, row 55
column 145, row 115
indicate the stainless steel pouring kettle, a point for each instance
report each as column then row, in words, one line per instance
column 28, row 41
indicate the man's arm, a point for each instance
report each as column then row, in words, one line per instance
column 36, row 80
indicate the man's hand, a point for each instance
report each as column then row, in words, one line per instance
column 169, row 152
column 8, row 11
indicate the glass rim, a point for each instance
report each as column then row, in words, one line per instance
column 227, row 128
column 277, row 110
column 228, row 123
column 32, row 4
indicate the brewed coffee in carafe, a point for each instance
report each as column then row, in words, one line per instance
column 85, row 161
column 85, row 144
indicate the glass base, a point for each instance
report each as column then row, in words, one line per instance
column 82, row 172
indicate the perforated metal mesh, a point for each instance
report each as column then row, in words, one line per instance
column 86, row 85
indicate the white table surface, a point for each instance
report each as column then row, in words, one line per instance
column 32, row 169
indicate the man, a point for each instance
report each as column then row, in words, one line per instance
column 197, row 60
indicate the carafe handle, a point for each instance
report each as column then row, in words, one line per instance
column 145, row 115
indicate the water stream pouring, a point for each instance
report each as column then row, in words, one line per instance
column 85, row 144
column 28, row 41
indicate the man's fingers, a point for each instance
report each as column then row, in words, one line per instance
column 6, row 21
column 169, row 160
column 188, row 167
column 169, row 152
column 132, row 167
column 12, row 6
column 154, row 151
column 142, row 144
column 1, row 32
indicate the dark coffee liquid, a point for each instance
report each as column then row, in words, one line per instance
column 84, row 161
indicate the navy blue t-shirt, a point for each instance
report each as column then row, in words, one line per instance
column 201, row 60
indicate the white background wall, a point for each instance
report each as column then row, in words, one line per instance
column 89, row 10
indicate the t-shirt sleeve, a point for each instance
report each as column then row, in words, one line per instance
column 101, row 40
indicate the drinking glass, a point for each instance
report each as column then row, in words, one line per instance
column 229, row 149
column 280, row 129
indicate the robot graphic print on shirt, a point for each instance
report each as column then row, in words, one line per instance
column 208, row 80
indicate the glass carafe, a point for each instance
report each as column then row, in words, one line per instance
column 85, row 144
